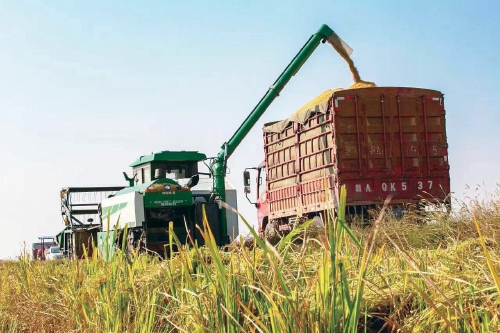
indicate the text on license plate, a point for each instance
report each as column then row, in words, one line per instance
column 422, row 185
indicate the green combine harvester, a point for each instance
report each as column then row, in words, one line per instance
column 166, row 187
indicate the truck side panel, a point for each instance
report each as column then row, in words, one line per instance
column 376, row 141
column 281, row 166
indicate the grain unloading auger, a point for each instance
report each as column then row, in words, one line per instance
column 218, row 164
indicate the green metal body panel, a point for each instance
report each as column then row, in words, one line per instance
column 113, row 209
column 170, row 156
column 133, row 216
column 218, row 166
column 107, row 252
column 126, row 209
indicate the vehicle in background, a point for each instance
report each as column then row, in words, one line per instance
column 54, row 253
column 39, row 249
column 80, row 215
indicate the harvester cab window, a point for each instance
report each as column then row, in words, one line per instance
column 176, row 173
column 177, row 170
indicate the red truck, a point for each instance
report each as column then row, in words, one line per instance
column 376, row 141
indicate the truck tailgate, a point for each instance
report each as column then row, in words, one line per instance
column 391, row 141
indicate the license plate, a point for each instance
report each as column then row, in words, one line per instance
column 395, row 186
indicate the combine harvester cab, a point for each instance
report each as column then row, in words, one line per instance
column 166, row 187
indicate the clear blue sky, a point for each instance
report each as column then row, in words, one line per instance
column 86, row 87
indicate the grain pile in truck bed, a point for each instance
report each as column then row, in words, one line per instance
column 328, row 93
column 318, row 104
column 284, row 151
column 288, row 176
column 362, row 84
column 317, row 101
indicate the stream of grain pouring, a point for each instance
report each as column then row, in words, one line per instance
column 345, row 50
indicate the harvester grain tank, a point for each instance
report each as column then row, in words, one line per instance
column 377, row 141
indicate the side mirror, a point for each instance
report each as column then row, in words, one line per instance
column 193, row 181
column 246, row 183
column 246, row 178
column 130, row 180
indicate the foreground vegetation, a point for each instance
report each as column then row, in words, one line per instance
column 394, row 276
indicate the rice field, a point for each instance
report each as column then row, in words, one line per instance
column 394, row 276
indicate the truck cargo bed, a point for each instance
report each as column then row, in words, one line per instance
column 377, row 141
